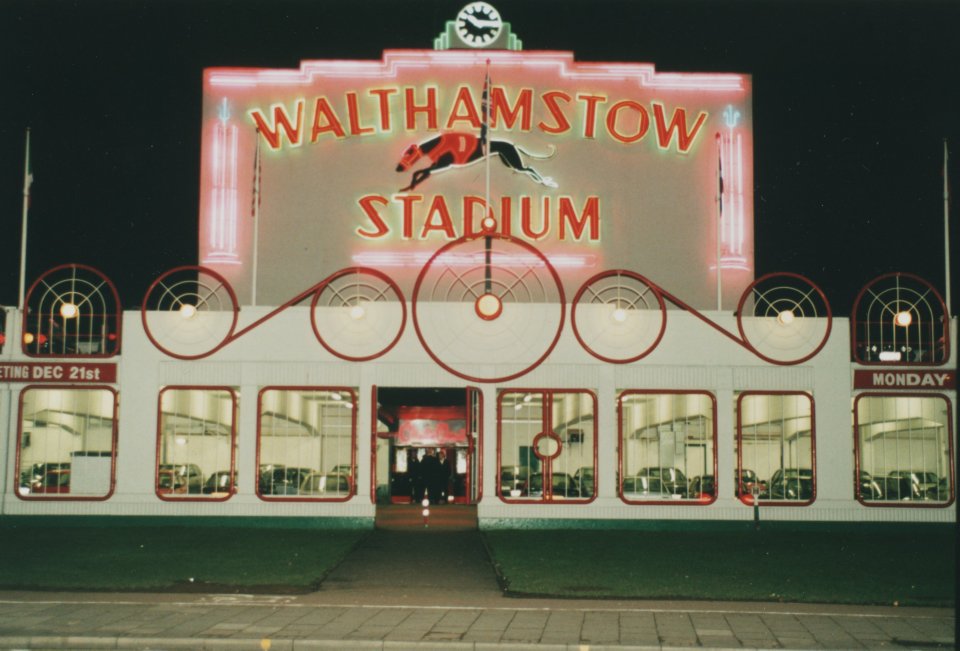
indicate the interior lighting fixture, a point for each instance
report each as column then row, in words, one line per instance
column 903, row 318
column 68, row 310
column 786, row 317
column 528, row 397
column 488, row 306
column 187, row 311
column 181, row 440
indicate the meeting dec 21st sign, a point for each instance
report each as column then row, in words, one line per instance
column 57, row 372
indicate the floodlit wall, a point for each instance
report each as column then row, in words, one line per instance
column 284, row 352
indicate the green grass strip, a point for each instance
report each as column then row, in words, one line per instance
column 165, row 558
column 902, row 567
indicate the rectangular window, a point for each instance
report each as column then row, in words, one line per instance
column 547, row 446
column 904, row 450
column 66, row 443
column 667, row 447
column 776, row 448
column 196, row 443
column 306, row 443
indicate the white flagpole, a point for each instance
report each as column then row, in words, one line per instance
column 719, row 218
column 946, row 225
column 27, row 181
column 256, row 219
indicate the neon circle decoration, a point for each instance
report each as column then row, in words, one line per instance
column 72, row 311
column 190, row 312
column 784, row 318
column 547, row 446
column 619, row 316
column 488, row 309
column 358, row 314
column 900, row 318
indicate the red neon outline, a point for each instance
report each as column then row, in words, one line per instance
column 909, row 504
column 547, row 470
column 747, row 500
column 562, row 304
column 535, row 446
column 656, row 392
column 117, row 316
column 322, row 285
column 854, row 341
column 233, row 444
column 66, row 497
column 629, row 274
column 353, row 445
column 490, row 317
column 226, row 339
column 746, row 341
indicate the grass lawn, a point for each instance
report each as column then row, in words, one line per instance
column 179, row 558
column 911, row 569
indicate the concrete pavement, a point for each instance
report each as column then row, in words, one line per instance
column 437, row 590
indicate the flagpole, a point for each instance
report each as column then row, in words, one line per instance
column 946, row 225
column 719, row 217
column 485, row 152
column 256, row 219
column 27, row 181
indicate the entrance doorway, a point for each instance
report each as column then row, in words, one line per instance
column 426, row 445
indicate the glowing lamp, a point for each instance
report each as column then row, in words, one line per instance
column 786, row 317
column 187, row 311
column 41, row 338
column 426, row 513
column 425, row 503
column 903, row 318
column 28, row 338
column 528, row 397
column 619, row 315
column 357, row 312
column 181, row 440
column 488, row 307
column 68, row 310
column 890, row 356
column 488, row 223
column 3, row 339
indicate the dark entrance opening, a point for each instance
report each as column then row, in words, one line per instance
column 426, row 445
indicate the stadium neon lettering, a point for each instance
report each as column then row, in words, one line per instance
column 416, row 217
column 552, row 112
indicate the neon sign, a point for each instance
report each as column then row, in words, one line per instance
column 601, row 165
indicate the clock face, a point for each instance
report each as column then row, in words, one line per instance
column 478, row 24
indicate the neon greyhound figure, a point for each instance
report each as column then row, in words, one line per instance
column 459, row 149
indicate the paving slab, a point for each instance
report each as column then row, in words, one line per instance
column 438, row 590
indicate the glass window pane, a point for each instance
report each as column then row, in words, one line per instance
column 547, row 445
column 66, row 442
column 904, row 450
column 197, row 443
column 306, row 443
column 775, row 448
column 667, row 446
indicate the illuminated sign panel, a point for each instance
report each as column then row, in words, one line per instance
column 380, row 163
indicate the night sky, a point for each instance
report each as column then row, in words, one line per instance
column 852, row 103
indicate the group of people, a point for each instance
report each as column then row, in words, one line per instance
column 430, row 476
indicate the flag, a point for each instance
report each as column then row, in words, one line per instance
column 720, row 173
column 27, row 172
column 257, row 169
column 483, row 108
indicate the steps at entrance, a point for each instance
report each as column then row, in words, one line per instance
column 445, row 517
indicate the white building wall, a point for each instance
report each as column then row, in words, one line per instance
column 284, row 352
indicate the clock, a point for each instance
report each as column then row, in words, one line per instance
column 478, row 24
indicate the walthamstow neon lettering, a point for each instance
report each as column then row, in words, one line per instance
column 554, row 112
column 417, row 216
